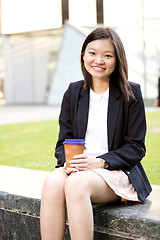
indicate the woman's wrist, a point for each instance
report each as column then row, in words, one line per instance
column 103, row 164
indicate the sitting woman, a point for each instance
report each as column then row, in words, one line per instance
column 107, row 111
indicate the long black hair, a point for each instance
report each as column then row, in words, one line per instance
column 120, row 73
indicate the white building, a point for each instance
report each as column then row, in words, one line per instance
column 38, row 52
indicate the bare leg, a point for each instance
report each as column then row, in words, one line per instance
column 81, row 188
column 53, row 213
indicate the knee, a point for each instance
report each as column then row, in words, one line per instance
column 76, row 187
column 53, row 184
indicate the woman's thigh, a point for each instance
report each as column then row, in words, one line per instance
column 91, row 183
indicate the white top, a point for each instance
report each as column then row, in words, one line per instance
column 96, row 138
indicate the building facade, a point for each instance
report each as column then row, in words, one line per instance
column 34, row 35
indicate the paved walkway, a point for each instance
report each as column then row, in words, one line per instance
column 27, row 113
column 31, row 113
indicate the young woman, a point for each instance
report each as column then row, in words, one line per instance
column 107, row 112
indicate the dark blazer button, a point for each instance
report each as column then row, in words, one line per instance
column 128, row 172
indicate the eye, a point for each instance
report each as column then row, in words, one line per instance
column 108, row 56
column 92, row 53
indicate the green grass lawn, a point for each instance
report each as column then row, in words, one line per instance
column 31, row 145
column 151, row 161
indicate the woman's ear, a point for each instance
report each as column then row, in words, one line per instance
column 82, row 55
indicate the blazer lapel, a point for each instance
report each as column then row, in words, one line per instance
column 83, row 109
column 113, row 111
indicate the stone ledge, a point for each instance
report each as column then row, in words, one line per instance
column 127, row 221
column 19, row 217
column 19, row 203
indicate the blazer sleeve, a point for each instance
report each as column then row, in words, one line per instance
column 132, row 149
column 65, row 124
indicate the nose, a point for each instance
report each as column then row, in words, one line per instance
column 99, row 60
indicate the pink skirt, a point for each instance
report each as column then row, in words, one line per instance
column 119, row 182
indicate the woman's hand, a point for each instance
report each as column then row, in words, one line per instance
column 83, row 162
column 69, row 170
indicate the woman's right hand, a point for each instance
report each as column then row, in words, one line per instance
column 69, row 170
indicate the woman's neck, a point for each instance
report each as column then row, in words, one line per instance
column 99, row 87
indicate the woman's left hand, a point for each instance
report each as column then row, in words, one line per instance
column 84, row 162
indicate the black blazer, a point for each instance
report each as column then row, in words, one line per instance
column 126, row 131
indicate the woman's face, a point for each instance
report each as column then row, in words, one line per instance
column 100, row 59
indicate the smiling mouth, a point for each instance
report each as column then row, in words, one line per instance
column 98, row 69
